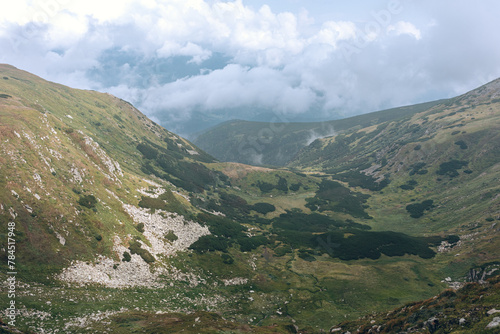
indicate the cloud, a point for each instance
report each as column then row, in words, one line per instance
column 405, row 28
column 179, row 59
column 231, row 87
column 197, row 53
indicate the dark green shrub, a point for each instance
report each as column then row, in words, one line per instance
column 140, row 227
column 88, row 201
column 170, row 236
column 410, row 185
column 282, row 250
column 265, row 187
column 282, row 184
column 222, row 226
column 147, row 151
column 98, row 237
column 209, row 243
column 333, row 196
column 417, row 210
column 227, row 259
column 152, row 203
column 126, row 257
column 247, row 244
column 118, row 118
column 417, row 168
column 450, row 168
column 306, row 256
column 462, row 144
column 298, row 221
column 136, row 248
column 263, row 208
column 357, row 179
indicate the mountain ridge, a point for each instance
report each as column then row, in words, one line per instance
column 276, row 143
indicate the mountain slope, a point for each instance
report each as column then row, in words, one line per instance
column 61, row 147
column 276, row 143
column 449, row 153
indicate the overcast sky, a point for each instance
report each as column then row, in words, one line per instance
column 181, row 61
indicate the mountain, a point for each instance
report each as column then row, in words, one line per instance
column 275, row 143
column 113, row 224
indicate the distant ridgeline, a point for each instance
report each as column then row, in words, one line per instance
column 276, row 144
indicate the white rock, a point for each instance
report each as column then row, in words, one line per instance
column 493, row 324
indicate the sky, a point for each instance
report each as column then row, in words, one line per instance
column 189, row 64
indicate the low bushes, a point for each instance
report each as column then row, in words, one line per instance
column 417, row 210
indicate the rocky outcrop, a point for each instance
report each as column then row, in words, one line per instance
column 136, row 272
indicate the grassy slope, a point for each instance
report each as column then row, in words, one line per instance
column 43, row 130
column 264, row 143
column 465, row 203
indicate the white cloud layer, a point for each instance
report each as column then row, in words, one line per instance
column 177, row 59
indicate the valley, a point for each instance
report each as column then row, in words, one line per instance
column 122, row 226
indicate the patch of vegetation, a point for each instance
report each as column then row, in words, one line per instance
column 166, row 201
column 266, row 187
column 417, row 210
column 248, row 244
column 295, row 220
column 5, row 96
column 227, row 259
column 282, row 251
column 450, row 168
column 152, row 203
column 354, row 244
column 306, row 255
column 147, row 151
column 462, row 144
column 409, row 185
column 222, row 226
column 231, row 205
column 418, row 168
column 263, row 208
column 335, row 197
column 170, row 236
column 358, row 179
column 88, row 201
column 126, row 257
column 136, row 248
column 210, row 243
column 140, row 227
column 169, row 164
column 225, row 232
